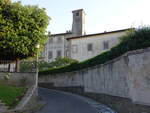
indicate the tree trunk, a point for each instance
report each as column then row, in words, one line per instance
column 8, row 67
column 17, row 65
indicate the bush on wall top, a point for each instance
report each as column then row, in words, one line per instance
column 134, row 39
column 29, row 66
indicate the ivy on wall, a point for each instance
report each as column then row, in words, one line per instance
column 133, row 40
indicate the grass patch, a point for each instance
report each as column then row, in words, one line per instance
column 11, row 95
column 133, row 40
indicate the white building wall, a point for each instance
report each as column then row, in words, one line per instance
column 54, row 44
column 96, row 40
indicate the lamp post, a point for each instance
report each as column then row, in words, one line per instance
column 37, row 70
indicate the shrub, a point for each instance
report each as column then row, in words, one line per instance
column 134, row 39
column 29, row 66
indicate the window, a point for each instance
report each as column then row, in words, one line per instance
column 106, row 45
column 59, row 40
column 50, row 55
column 90, row 47
column 50, row 40
column 59, row 53
column 77, row 14
column 74, row 49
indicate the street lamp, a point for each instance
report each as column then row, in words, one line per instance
column 37, row 70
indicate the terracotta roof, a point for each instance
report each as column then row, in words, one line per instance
column 84, row 36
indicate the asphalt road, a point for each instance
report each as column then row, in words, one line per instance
column 59, row 102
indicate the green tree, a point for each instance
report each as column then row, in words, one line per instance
column 21, row 29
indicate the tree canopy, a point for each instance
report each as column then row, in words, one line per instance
column 21, row 29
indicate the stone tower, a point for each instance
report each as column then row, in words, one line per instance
column 78, row 25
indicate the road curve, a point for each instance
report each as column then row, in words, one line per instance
column 60, row 102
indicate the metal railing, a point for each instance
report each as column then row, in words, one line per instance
column 12, row 66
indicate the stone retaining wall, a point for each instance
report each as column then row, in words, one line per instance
column 118, row 104
column 21, row 79
column 126, row 77
column 24, row 79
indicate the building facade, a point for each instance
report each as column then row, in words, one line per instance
column 88, row 46
column 56, row 46
column 76, row 44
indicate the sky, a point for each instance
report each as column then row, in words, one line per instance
column 101, row 15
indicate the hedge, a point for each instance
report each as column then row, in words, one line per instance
column 133, row 40
column 29, row 66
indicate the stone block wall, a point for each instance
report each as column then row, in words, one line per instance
column 21, row 79
column 125, row 77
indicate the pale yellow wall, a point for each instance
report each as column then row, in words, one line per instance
column 97, row 41
column 81, row 43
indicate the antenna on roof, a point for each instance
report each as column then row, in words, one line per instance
column 68, row 31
